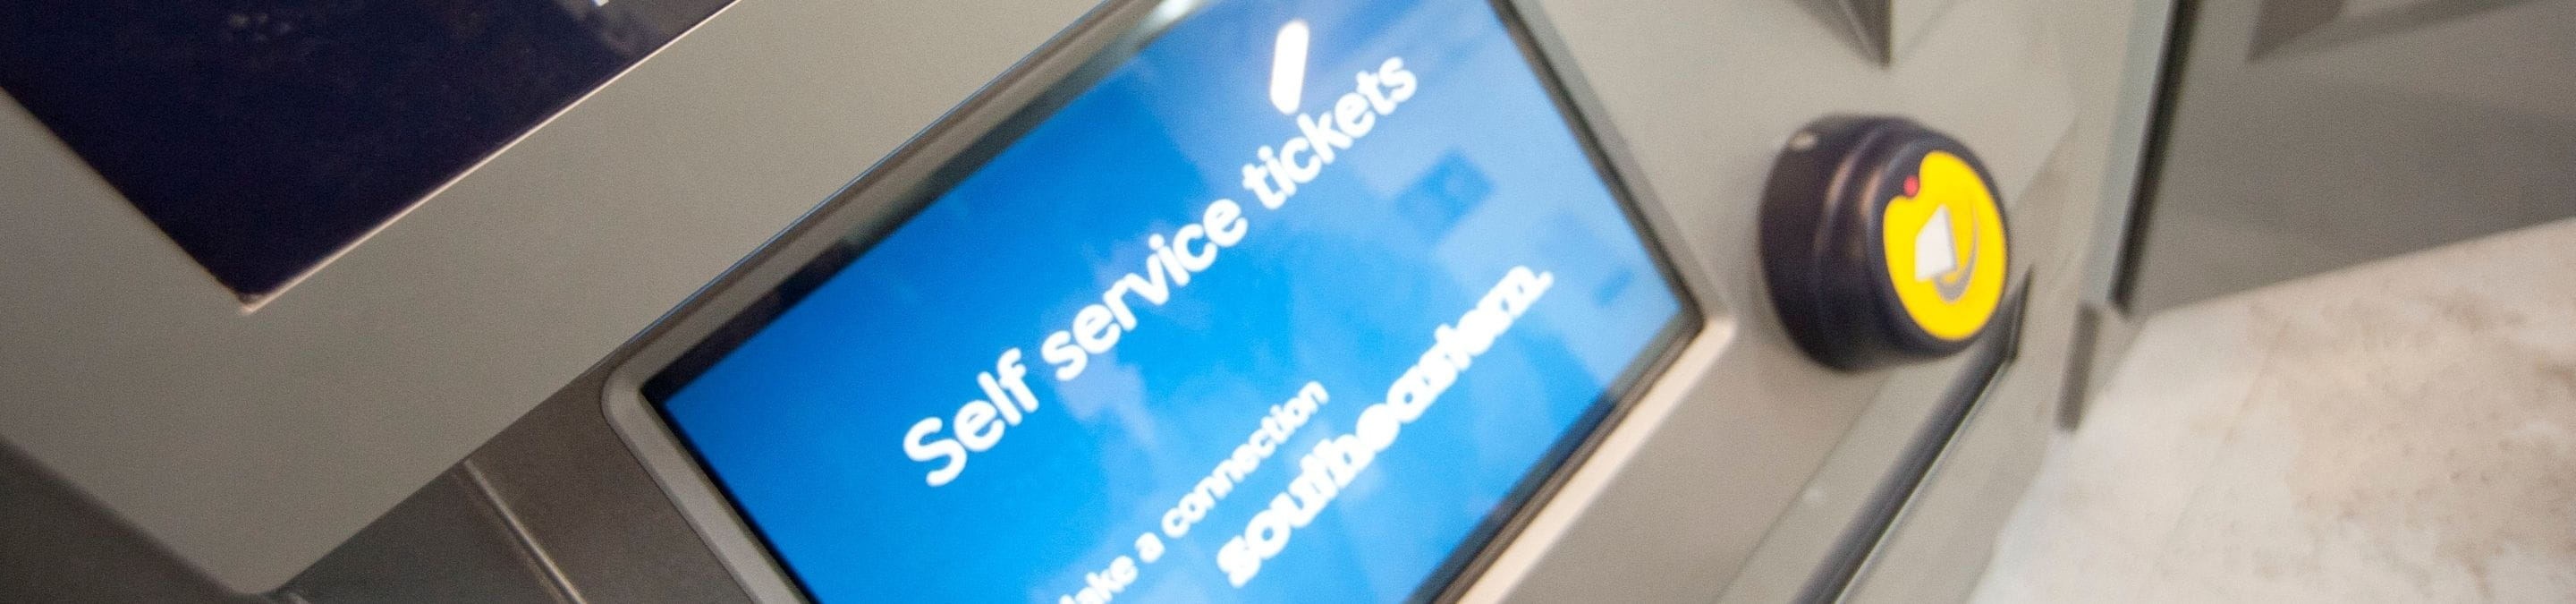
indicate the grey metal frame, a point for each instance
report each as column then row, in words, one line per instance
column 249, row 446
column 871, row 202
column 880, row 199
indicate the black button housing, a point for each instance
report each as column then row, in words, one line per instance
column 1822, row 252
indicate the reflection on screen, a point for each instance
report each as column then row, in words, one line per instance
column 1292, row 305
column 265, row 135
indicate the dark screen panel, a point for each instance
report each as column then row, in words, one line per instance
column 265, row 135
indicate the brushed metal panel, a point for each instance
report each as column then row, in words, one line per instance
column 252, row 444
column 606, row 528
column 2298, row 145
column 1705, row 92
column 57, row 546
column 445, row 543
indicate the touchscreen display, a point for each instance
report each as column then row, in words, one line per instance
column 1300, row 300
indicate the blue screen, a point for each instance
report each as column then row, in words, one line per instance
column 1293, row 304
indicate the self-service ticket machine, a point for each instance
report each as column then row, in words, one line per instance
column 1187, row 300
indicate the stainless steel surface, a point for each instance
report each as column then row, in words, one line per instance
column 1705, row 92
column 286, row 430
column 58, row 546
column 448, row 542
column 1939, row 545
column 250, row 444
column 1879, row 29
column 611, row 534
column 873, row 203
column 1806, row 533
column 2310, row 135
column 587, row 518
column 557, row 509
column 1700, row 487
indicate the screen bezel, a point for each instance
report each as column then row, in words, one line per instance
column 755, row 291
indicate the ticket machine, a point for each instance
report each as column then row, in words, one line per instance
column 1154, row 300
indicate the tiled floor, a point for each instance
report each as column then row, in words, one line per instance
column 2400, row 431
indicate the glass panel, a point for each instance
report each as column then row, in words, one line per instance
column 1296, row 303
column 264, row 136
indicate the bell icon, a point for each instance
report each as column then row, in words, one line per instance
column 1934, row 255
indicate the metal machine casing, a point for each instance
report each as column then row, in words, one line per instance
column 252, row 443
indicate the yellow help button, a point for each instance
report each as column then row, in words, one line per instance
column 1882, row 242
